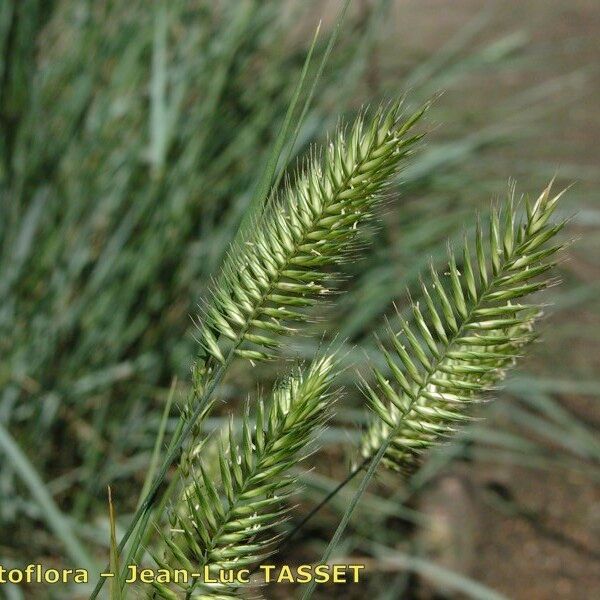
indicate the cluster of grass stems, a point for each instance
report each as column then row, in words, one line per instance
column 120, row 209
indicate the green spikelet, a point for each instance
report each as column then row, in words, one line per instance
column 469, row 332
column 279, row 269
column 231, row 525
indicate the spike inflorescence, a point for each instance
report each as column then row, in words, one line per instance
column 280, row 268
column 231, row 525
column 475, row 328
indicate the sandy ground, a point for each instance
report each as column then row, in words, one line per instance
column 550, row 549
column 555, row 552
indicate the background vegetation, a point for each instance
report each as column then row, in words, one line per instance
column 132, row 140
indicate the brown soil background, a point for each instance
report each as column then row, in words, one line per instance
column 555, row 552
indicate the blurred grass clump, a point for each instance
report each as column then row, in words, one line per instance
column 131, row 142
column 132, row 138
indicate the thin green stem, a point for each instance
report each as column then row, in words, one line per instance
column 389, row 438
column 316, row 509
column 201, row 405
column 332, row 39
column 349, row 512
column 158, row 443
column 170, row 458
column 138, row 539
column 261, row 192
